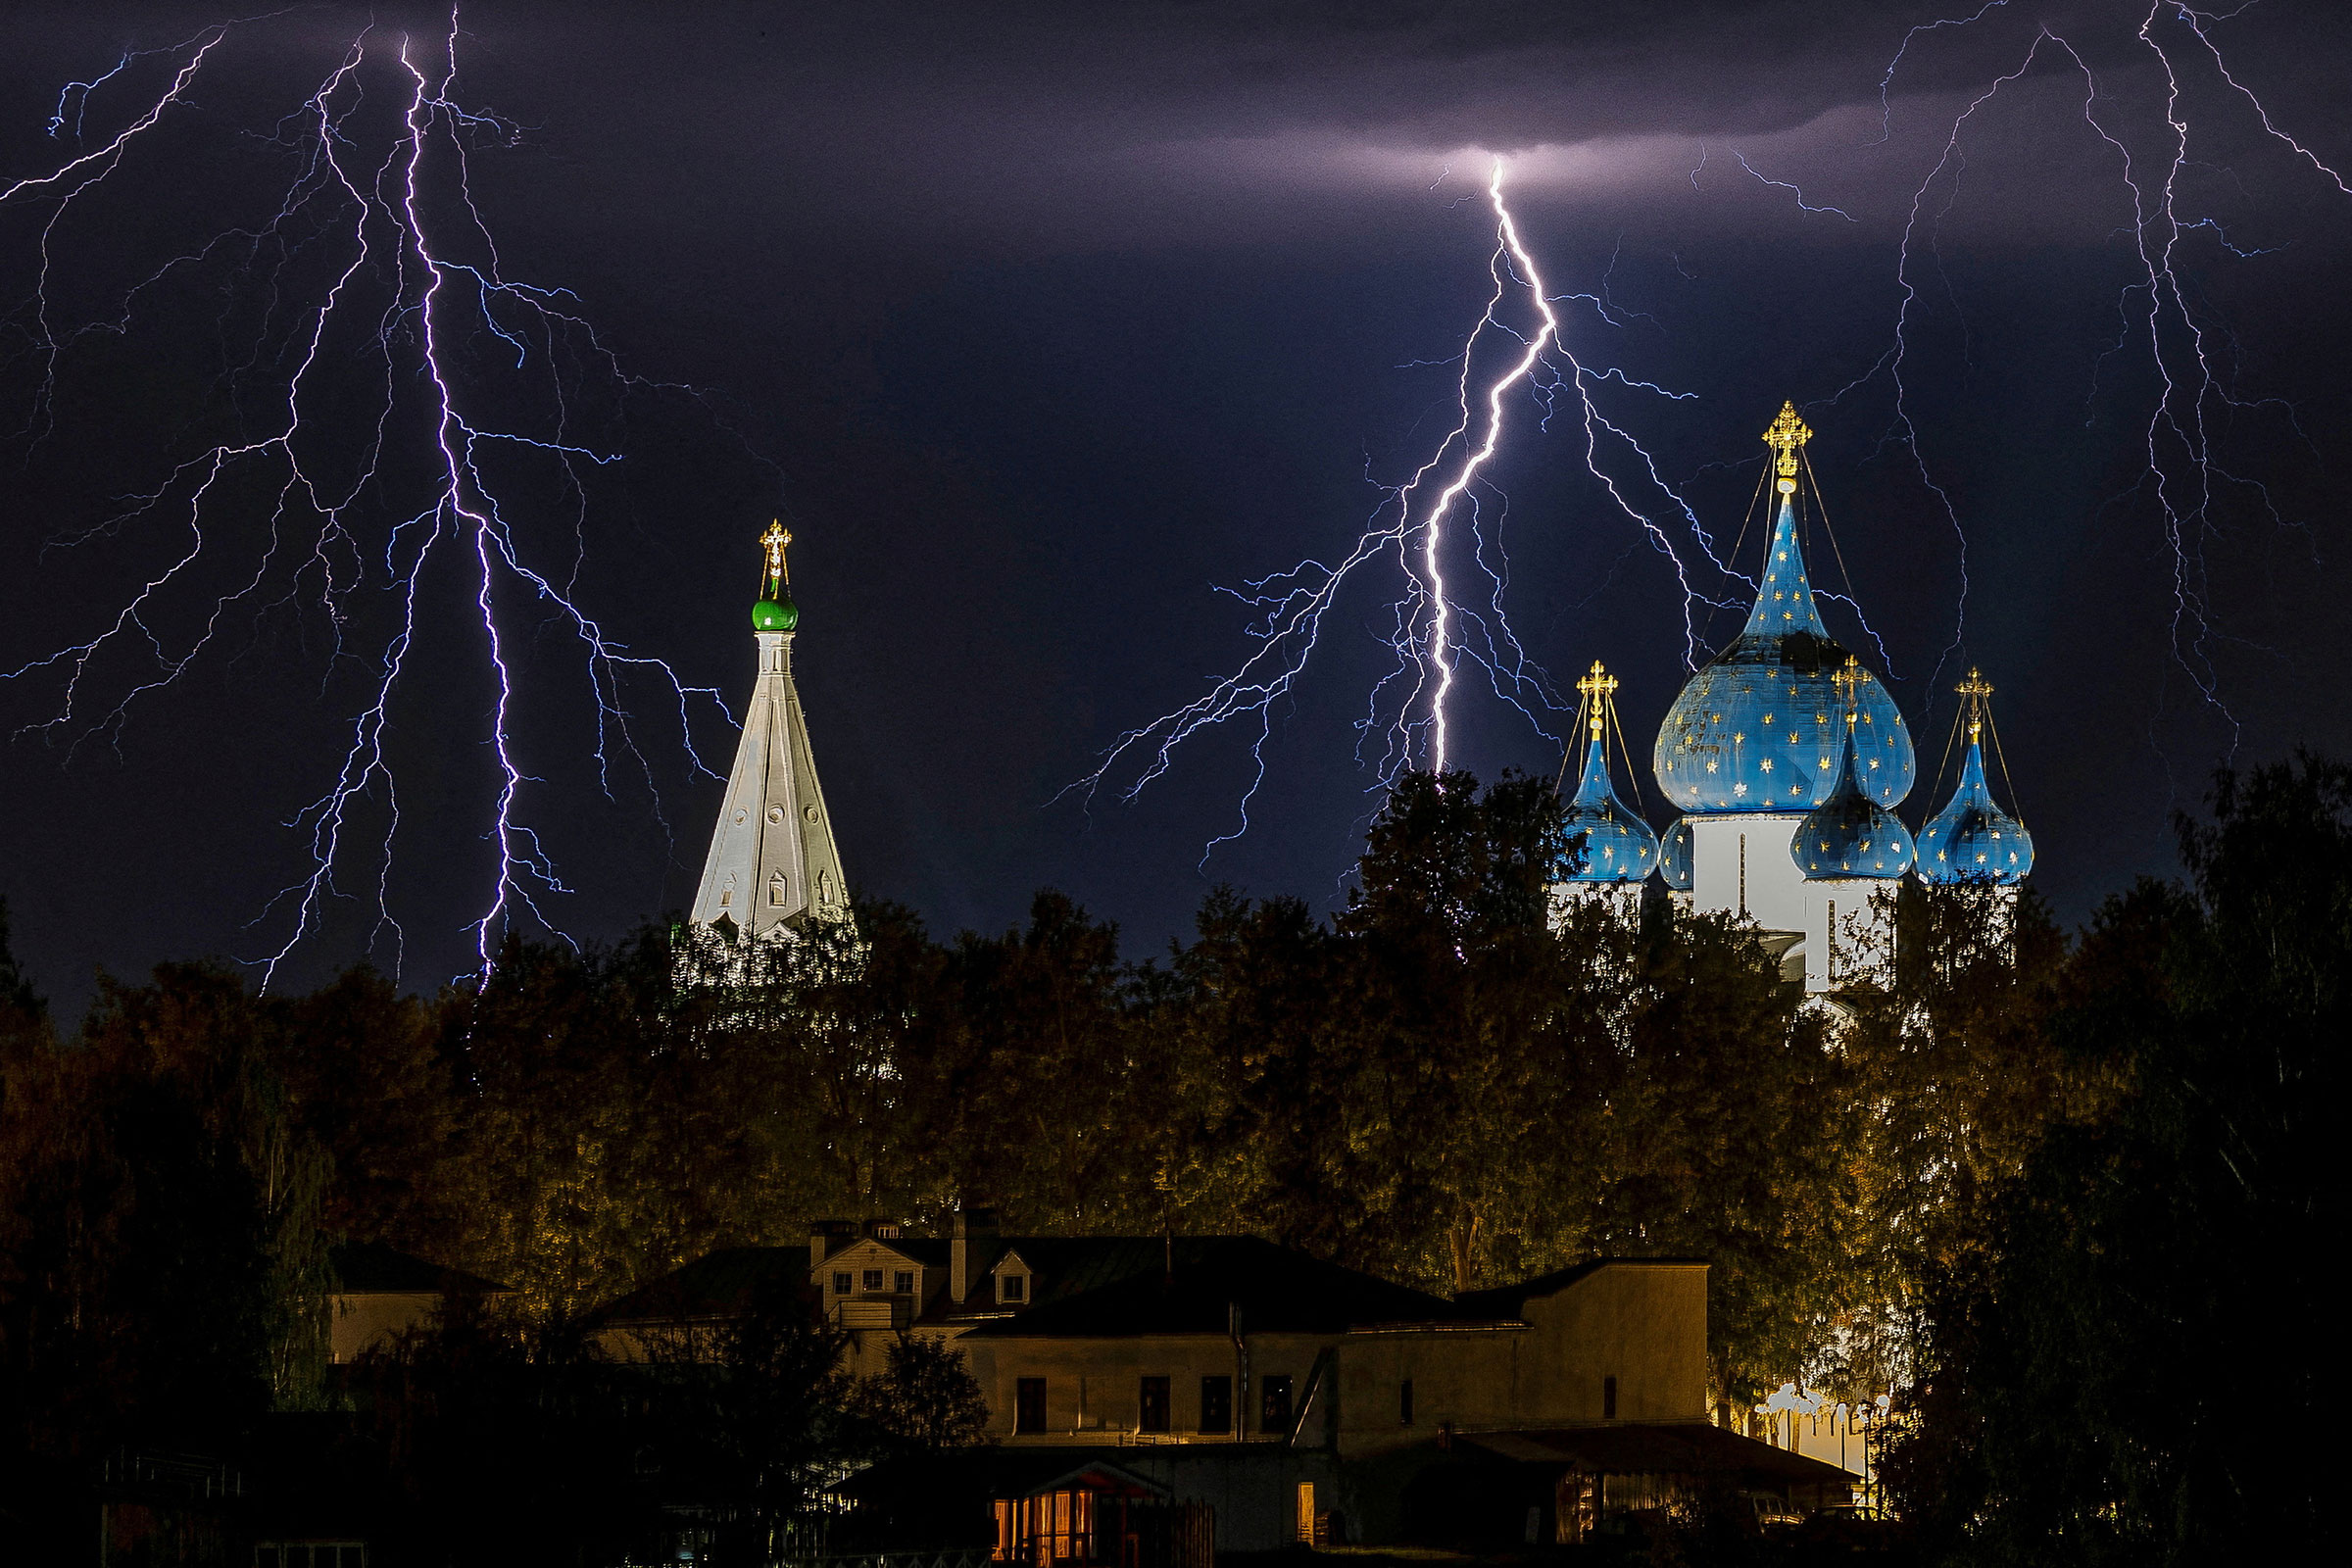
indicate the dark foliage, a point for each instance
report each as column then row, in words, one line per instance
column 2127, row 1367
column 2066, row 1192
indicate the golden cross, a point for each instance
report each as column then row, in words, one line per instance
column 1597, row 689
column 1849, row 679
column 773, row 542
column 1788, row 433
column 1975, row 690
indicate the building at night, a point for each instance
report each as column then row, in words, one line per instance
column 1786, row 760
column 1292, row 1398
column 773, row 864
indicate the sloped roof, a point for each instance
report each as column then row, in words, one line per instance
column 362, row 1269
column 916, row 1248
column 717, row 1284
column 1509, row 1301
column 1125, row 1285
column 1689, row 1449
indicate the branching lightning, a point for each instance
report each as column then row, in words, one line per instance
column 1419, row 525
column 1433, row 631
column 367, row 547
column 2182, row 471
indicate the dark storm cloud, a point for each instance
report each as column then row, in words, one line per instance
column 1036, row 128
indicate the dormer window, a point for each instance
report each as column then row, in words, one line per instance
column 1012, row 1287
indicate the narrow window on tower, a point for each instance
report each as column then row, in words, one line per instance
column 775, row 891
column 1742, row 873
column 1608, row 1399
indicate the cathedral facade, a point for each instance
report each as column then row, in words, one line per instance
column 1786, row 760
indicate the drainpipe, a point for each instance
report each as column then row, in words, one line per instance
column 1241, row 1369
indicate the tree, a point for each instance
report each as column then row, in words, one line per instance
column 925, row 1400
column 2126, row 1368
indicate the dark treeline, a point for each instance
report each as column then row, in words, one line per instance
column 2060, row 1194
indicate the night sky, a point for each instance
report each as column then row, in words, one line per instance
column 1042, row 325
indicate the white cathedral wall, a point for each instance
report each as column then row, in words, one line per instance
column 1623, row 899
column 1739, row 865
column 1846, row 934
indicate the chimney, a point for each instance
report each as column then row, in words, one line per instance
column 972, row 1249
column 825, row 1237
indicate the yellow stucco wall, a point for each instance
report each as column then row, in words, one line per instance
column 1642, row 1324
column 361, row 1320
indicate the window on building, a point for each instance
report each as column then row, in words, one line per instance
column 870, row 1280
column 1029, row 1404
column 1608, row 1399
column 1274, row 1403
column 841, row 1283
column 1151, row 1406
column 1216, row 1404
column 1405, row 1403
column 775, row 891
column 903, row 1282
column 1305, row 1520
column 1012, row 1287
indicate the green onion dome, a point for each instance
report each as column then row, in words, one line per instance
column 1758, row 729
column 769, row 616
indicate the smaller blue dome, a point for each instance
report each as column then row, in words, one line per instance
column 1972, row 839
column 1674, row 856
column 1618, row 846
column 1851, row 835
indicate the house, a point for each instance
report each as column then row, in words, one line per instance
column 1294, row 1398
column 381, row 1292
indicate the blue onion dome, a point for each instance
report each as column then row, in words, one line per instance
column 1850, row 834
column 1757, row 730
column 1618, row 846
column 1674, row 856
column 1972, row 839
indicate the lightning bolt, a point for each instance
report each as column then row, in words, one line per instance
column 400, row 316
column 1433, row 632
column 2180, row 469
